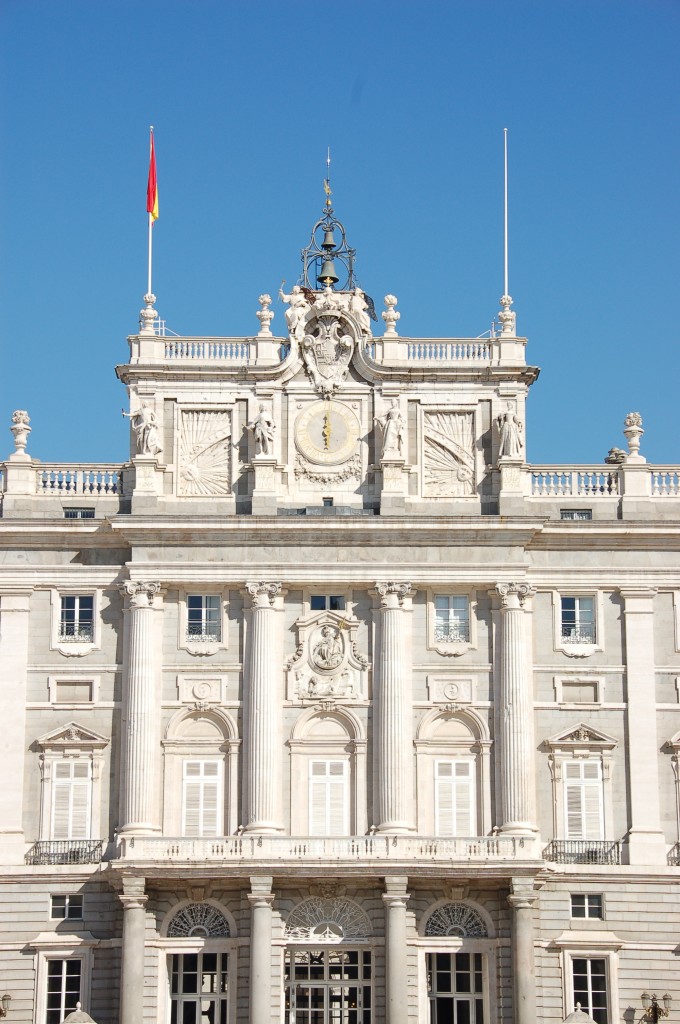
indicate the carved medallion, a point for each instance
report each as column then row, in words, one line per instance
column 327, row 433
column 204, row 453
column 448, row 450
column 326, row 664
column 326, row 350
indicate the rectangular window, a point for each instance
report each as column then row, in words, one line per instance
column 578, row 620
column 204, row 617
column 587, row 905
column 328, row 810
column 455, row 988
column 583, row 803
column 66, row 908
column 64, row 979
column 576, row 513
column 451, row 619
column 199, row 988
column 590, row 986
column 71, row 799
column 73, row 691
column 454, row 798
column 327, row 603
column 76, row 621
column 202, row 798
column 579, row 691
column 78, row 513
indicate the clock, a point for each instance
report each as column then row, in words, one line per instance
column 327, row 433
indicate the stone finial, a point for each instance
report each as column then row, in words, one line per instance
column 615, row 456
column 391, row 316
column 507, row 318
column 265, row 316
column 78, row 1016
column 147, row 315
column 20, row 428
column 632, row 429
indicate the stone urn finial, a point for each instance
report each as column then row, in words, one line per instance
column 632, row 429
column 507, row 318
column 20, row 428
column 265, row 316
column 391, row 316
column 148, row 315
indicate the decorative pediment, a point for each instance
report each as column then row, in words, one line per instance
column 583, row 737
column 327, row 664
column 72, row 736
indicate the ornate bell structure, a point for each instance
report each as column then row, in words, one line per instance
column 325, row 262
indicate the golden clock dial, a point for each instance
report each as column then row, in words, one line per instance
column 327, row 433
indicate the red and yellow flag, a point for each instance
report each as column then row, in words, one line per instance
column 152, row 186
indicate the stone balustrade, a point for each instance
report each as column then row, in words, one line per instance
column 336, row 850
column 665, row 481
column 208, row 350
column 79, row 478
column 574, row 482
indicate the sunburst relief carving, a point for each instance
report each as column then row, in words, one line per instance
column 204, row 453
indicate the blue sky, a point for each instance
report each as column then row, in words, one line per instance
column 412, row 98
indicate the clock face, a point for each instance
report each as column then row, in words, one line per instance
column 327, row 433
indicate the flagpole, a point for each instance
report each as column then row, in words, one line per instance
column 150, row 215
column 505, row 139
column 506, row 316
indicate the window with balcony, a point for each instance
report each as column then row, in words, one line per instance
column 578, row 620
column 204, row 617
column 76, row 620
column 71, row 799
column 66, row 907
column 587, row 905
column 583, row 800
column 451, row 619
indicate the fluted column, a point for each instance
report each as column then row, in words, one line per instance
column 395, row 899
column 261, row 899
column 518, row 772
column 262, row 770
column 393, row 703
column 132, row 952
column 14, row 641
column 140, row 711
column 522, row 901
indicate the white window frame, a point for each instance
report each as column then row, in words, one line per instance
column 344, row 783
column 218, row 781
column 587, row 896
column 582, row 786
column 578, row 649
column 53, row 946
column 71, row 742
column 75, row 648
column 72, row 785
column 580, row 742
column 590, row 945
column 67, row 897
column 458, row 647
column 456, row 944
column 471, row 762
column 202, row 645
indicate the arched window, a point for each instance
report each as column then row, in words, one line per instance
column 328, row 765
column 198, row 960
column 458, row 964
column 200, row 790
column 452, row 751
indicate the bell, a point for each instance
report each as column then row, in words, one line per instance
column 328, row 240
column 328, row 275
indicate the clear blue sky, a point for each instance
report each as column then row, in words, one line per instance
column 413, row 98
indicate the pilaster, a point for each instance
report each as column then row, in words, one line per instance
column 646, row 841
column 395, row 899
column 263, row 724
column 517, row 714
column 14, row 617
column 393, row 701
column 140, row 711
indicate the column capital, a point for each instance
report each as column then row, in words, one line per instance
column 395, row 894
column 523, row 895
column 133, row 896
column 141, row 594
column 263, row 593
column 513, row 595
column 392, row 594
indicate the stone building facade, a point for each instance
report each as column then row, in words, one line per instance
column 326, row 707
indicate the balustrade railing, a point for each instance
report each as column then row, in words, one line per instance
column 674, row 855
column 364, row 848
column 208, row 349
column 583, row 851
column 66, row 851
column 665, row 482
column 581, row 482
column 464, row 350
column 101, row 479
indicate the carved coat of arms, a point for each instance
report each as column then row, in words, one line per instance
column 326, row 350
column 327, row 664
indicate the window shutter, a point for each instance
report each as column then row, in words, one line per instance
column 583, row 800
column 463, row 793
column 201, row 798
column 444, row 798
column 71, row 800
column 328, row 798
column 454, row 798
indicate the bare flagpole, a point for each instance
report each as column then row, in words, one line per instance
column 506, row 315
column 505, row 204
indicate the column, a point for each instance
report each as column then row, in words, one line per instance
column 140, row 711
column 522, row 899
column 393, row 711
column 395, row 899
column 518, row 774
column 132, row 952
column 261, row 899
column 646, row 841
column 14, row 610
column 262, row 768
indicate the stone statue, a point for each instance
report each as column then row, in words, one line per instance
column 328, row 652
column 298, row 304
column 145, row 426
column 263, row 428
column 358, row 308
column 392, row 426
column 510, row 428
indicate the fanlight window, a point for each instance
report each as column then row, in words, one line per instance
column 328, row 920
column 456, row 919
column 201, row 919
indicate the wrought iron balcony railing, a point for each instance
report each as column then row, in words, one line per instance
column 583, row 851
column 66, row 851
